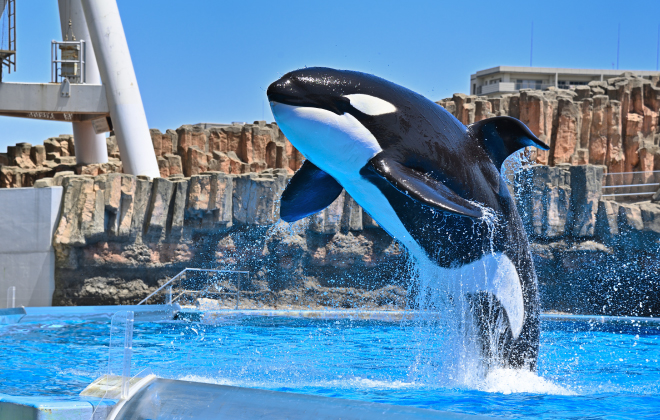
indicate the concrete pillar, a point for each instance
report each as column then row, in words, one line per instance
column 121, row 88
column 90, row 147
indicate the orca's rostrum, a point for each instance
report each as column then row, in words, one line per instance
column 426, row 179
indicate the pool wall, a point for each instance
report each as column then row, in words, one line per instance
column 142, row 312
column 53, row 408
column 28, row 217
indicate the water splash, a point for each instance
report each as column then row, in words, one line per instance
column 455, row 351
column 511, row 381
column 445, row 349
column 491, row 220
column 515, row 163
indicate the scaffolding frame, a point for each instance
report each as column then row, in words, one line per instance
column 8, row 56
column 56, row 63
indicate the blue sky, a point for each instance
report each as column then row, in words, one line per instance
column 211, row 61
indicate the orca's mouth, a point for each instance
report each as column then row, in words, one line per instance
column 288, row 99
column 286, row 91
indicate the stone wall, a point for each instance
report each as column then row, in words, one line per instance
column 232, row 149
column 592, row 255
column 25, row 164
column 120, row 237
column 186, row 151
column 612, row 122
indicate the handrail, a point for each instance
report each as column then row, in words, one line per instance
column 629, row 194
column 635, row 172
column 631, row 185
column 169, row 282
column 644, row 179
column 162, row 287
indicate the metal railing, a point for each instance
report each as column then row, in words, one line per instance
column 538, row 86
column 73, row 66
column 567, row 86
column 496, row 87
column 514, row 86
column 631, row 185
column 192, row 283
column 8, row 56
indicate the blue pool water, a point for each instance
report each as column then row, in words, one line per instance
column 587, row 369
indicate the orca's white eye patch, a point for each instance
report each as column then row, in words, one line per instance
column 370, row 105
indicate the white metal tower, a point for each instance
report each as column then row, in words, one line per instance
column 93, row 51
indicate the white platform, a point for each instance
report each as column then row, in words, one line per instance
column 43, row 101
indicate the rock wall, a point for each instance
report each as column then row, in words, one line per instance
column 186, row 151
column 120, row 237
column 232, row 149
column 25, row 164
column 592, row 255
column 612, row 122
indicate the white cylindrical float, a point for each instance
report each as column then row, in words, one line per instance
column 124, row 101
column 90, row 147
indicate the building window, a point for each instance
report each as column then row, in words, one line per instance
column 529, row 84
column 564, row 84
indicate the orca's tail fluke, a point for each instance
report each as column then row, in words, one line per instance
column 495, row 337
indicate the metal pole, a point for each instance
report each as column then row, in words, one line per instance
column 124, row 101
column 90, row 147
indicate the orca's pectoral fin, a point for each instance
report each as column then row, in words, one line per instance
column 423, row 188
column 309, row 191
column 502, row 136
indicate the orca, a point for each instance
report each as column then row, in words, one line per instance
column 429, row 181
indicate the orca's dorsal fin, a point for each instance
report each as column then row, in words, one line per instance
column 422, row 188
column 503, row 136
column 309, row 191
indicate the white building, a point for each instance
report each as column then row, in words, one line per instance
column 507, row 79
